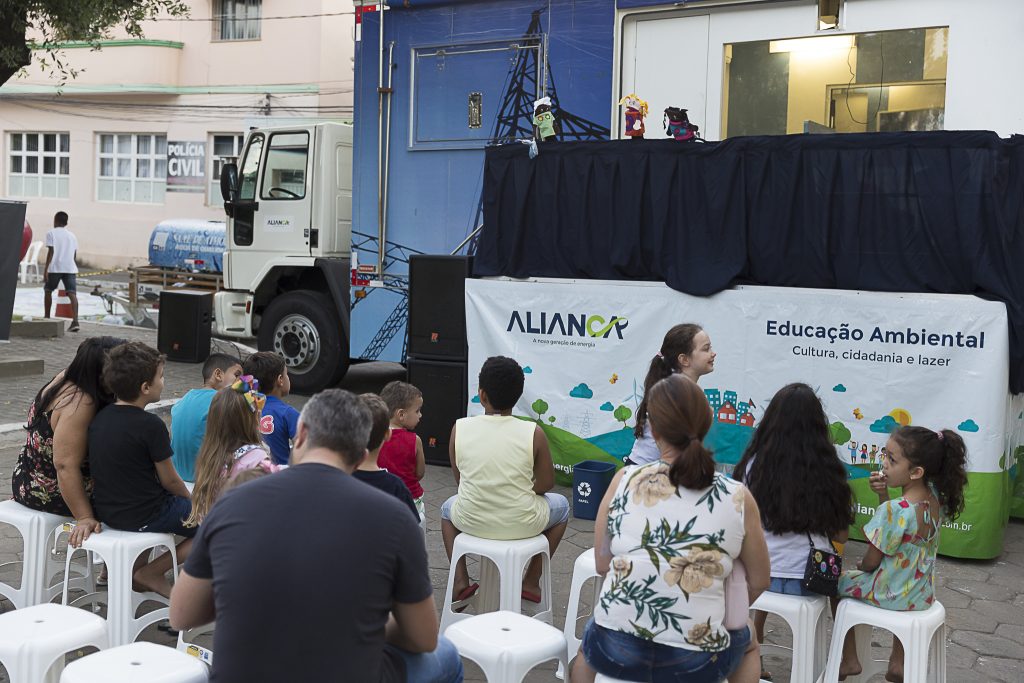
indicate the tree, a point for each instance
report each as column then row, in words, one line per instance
column 540, row 407
column 839, row 432
column 57, row 21
column 623, row 413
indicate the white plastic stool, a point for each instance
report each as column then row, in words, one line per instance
column 33, row 640
column 135, row 663
column 189, row 647
column 583, row 570
column 39, row 567
column 803, row 615
column 922, row 633
column 119, row 549
column 506, row 645
column 510, row 558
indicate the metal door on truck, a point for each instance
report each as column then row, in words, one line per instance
column 665, row 62
column 282, row 220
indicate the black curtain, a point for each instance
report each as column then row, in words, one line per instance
column 893, row 212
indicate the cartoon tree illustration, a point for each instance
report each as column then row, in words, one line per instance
column 540, row 407
column 623, row 413
column 839, row 433
column 551, row 419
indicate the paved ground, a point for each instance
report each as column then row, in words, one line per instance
column 984, row 600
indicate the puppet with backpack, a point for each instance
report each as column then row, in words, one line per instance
column 677, row 125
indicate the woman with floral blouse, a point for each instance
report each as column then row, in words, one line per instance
column 666, row 537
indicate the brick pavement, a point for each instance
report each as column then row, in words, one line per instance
column 984, row 599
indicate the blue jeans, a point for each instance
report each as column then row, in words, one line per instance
column 443, row 665
column 626, row 657
column 788, row 587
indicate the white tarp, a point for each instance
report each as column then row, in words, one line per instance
column 876, row 360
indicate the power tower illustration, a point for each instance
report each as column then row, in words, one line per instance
column 584, row 428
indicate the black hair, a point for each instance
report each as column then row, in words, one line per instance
column 678, row 340
column 128, row 367
column 680, row 414
column 503, row 380
column 266, row 367
column 60, row 219
column 399, row 394
column 84, row 373
column 943, row 456
column 218, row 361
column 380, row 419
column 793, row 464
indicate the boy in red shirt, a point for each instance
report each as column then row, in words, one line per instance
column 402, row 455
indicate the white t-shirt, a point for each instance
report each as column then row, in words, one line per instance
column 644, row 450
column 64, row 244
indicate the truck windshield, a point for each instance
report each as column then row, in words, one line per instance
column 251, row 168
column 285, row 174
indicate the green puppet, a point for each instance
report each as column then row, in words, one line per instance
column 545, row 125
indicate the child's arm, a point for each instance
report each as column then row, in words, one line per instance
column 421, row 459
column 451, row 456
column 877, row 483
column 872, row 559
column 543, row 468
column 169, row 478
column 49, row 258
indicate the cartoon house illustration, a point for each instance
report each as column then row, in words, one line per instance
column 726, row 414
column 714, row 398
column 743, row 408
column 747, row 419
column 730, row 397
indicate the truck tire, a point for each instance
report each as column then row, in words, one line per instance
column 303, row 328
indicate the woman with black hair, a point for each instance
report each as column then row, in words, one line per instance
column 792, row 469
column 52, row 474
column 685, row 350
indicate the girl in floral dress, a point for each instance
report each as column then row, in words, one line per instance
column 670, row 531
column 897, row 570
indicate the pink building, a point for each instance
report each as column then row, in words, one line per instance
column 140, row 134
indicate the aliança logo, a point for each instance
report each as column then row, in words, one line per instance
column 567, row 325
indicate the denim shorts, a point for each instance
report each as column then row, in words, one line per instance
column 171, row 518
column 788, row 586
column 628, row 658
column 53, row 279
column 558, row 509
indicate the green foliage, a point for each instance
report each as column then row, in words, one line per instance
column 623, row 413
column 540, row 407
column 551, row 419
column 52, row 22
column 839, row 433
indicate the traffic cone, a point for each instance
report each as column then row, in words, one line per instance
column 63, row 309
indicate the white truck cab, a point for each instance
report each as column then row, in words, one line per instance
column 288, row 242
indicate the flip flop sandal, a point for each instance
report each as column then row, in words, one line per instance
column 464, row 595
column 530, row 596
column 74, row 328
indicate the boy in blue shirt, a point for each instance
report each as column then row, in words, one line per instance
column 188, row 416
column 279, row 420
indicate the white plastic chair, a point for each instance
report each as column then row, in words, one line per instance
column 30, row 262
column 510, row 558
column 134, row 663
column 922, row 633
column 119, row 550
column 187, row 645
column 34, row 640
column 39, row 566
column 583, row 570
column 804, row 616
column 507, row 645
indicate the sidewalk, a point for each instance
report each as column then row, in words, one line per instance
column 984, row 600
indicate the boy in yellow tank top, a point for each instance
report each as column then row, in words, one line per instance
column 502, row 466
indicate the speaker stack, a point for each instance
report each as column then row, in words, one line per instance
column 186, row 317
column 438, row 349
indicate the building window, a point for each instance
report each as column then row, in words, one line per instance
column 132, row 168
column 39, row 165
column 226, row 150
column 237, row 19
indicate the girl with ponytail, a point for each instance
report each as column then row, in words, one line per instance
column 897, row 571
column 685, row 350
column 666, row 532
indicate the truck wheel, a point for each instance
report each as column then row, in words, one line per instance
column 303, row 328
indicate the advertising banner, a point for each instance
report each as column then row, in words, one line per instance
column 186, row 166
column 876, row 360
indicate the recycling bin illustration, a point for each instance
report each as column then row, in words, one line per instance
column 590, row 479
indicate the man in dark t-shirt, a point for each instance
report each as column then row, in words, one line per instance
column 312, row 575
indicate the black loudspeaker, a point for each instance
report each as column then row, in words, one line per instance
column 185, row 320
column 437, row 306
column 444, row 401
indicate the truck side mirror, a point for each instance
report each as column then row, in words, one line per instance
column 229, row 183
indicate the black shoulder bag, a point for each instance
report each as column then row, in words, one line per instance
column 821, row 575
